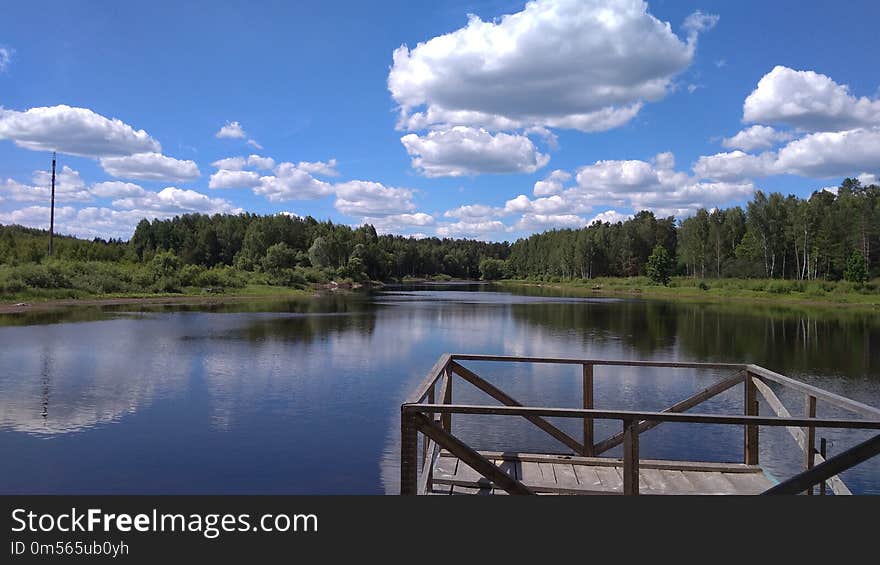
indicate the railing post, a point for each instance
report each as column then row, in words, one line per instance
column 409, row 453
column 588, row 405
column 809, row 436
column 425, row 438
column 631, row 456
column 750, row 408
column 446, row 419
column 823, row 486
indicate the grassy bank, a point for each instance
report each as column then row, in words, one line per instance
column 775, row 290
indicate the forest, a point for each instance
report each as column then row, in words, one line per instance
column 831, row 235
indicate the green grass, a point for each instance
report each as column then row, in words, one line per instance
column 685, row 288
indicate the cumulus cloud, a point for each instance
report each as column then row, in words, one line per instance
column 808, row 101
column 239, row 163
column 609, row 217
column 75, row 131
column 829, row 154
column 462, row 150
column 536, row 222
column 232, row 130
column 69, row 187
column 396, row 223
column 173, row 200
column 552, row 183
column 578, row 64
column 291, row 183
column 817, row 155
column 366, row 198
column 472, row 212
column 471, row 229
column 736, row 165
column 150, row 166
column 116, row 189
column 756, row 137
column 319, row 168
column 233, row 179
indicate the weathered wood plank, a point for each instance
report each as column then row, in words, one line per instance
column 588, row 404
column 419, row 394
column 755, row 483
column 631, row 457
column 652, row 481
column 750, row 431
column 587, row 477
column 610, row 478
column 809, row 435
column 686, row 418
column 598, row 362
column 615, row 462
column 710, row 483
column 829, row 397
column 678, row 482
column 565, row 475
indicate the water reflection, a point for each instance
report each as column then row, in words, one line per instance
column 303, row 396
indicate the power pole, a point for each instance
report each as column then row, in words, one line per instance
column 52, row 213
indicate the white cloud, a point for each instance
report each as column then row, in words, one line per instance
column 756, row 137
column 319, row 168
column 366, row 198
column 610, row 217
column 291, row 183
column 5, row 57
column 472, row 212
column 536, row 222
column 173, row 200
column 462, row 150
column 150, row 166
column 116, row 189
column 580, row 64
column 809, row 101
column 471, row 229
column 816, row 155
column 232, row 130
column 736, row 165
column 397, row 223
column 239, row 163
column 868, row 179
column 829, row 154
column 697, row 23
column 552, row 183
column 555, row 204
column 253, row 143
column 75, row 131
column 233, row 179
column 69, row 187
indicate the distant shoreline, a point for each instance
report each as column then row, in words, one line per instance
column 616, row 288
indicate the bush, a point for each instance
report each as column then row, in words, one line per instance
column 491, row 269
column 659, row 267
column 856, row 269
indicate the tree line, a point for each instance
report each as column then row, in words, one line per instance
column 825, row 236
column 773, row 236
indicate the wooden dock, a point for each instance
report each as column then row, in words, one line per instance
column 443, row 464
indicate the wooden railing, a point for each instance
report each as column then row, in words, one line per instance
column 428, row 412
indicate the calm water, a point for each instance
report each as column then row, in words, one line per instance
column 303, row 397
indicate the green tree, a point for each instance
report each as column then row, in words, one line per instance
column 491, row 269
column 856, row 268
column 319, row 253
column 659, row 267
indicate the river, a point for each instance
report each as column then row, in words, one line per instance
column 303, row 396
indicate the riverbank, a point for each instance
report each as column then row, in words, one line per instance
column 809, row 293
column 190, row 297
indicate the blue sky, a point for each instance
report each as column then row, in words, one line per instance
column 447, row 136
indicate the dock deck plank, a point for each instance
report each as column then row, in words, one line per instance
column 549, row 475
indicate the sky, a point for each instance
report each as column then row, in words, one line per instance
column 489, row 120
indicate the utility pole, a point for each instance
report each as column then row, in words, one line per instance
column 52, row 213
